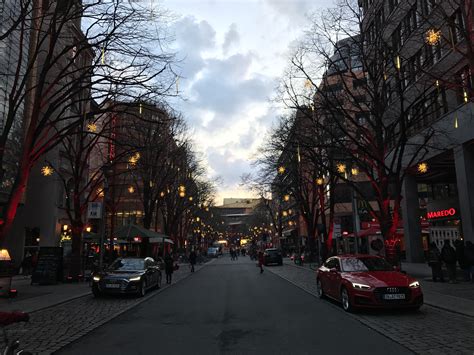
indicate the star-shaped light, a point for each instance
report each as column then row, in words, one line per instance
column 47, row 170
column 433, row 37
column 422, row 168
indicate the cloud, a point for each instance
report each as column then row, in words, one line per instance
column 193, row 38
column 227, row 165
column 232, row 37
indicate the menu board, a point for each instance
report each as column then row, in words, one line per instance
column 48, row 270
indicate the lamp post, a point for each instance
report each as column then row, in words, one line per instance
column 105, row 171
column 355, row 212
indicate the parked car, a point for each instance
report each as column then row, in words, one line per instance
column 365, row 281
column 272, row 256
column 127, row 275
column 213, row 252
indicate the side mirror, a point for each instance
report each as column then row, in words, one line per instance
column 333, row 269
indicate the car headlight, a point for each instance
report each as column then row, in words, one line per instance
column 415, row 284
column 361, row 286
column 96, row 278
column 138, row 278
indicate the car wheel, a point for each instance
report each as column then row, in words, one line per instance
column 96, row 292
column 319, row 289
column 142, row 291
column 345, row 300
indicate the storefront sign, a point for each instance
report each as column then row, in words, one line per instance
column 442, row 213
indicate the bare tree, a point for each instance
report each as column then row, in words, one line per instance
column 371, row 108
column 76, row 52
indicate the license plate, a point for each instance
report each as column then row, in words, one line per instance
column 112, row 285
column 394, row 296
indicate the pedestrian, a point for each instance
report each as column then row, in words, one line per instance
column 461, row 258
column 169, row 267
column 192, row 259
column 260, row 260
column 448, row 255
column 469, row 255
column 434, row 261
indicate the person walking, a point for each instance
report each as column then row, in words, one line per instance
column 469, row 255
column 448, row 256
column 169, row 266
column 434, row 261
column 192, row 259
column 260, row 260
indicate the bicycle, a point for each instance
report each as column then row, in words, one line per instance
column 7, row 318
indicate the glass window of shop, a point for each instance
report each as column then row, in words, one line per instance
column 441, row 191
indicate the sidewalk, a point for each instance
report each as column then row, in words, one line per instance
column 458, row 298
column 32, row 298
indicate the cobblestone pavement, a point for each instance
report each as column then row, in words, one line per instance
column 428, row 331
column 52, row 328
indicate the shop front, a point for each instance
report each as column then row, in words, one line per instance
column 444, row 222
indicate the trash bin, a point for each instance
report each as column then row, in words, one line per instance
column 6, row 273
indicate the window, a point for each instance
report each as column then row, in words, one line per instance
column 457, row 27
column 464, row 77
column 358, row 83
column 332, row 263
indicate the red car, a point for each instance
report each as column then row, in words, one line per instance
column 365, row 281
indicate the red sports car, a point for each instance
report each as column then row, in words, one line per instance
column 365, row 281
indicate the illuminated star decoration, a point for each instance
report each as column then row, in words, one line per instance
column 92, row 127
column 341, row 168
column 433, row 37
column 47, row 170
column 134, row 159
column 422, row 168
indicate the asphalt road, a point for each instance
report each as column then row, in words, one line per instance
column 228, row 307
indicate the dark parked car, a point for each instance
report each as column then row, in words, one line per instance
column 272, row 256
column 127, row 275
column 365, row 281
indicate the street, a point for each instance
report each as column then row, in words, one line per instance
column 229, row 308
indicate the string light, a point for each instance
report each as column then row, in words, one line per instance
column 398, row 63
column 319, row 181
column 286, row 197
column 103, row 55
column 456, row 125
column 281, row 169
column 354, row 171
column 131, row 189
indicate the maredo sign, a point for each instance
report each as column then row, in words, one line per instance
column 441, row 213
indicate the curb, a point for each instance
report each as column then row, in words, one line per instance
column 72, row 339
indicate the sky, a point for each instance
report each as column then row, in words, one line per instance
column 232, row 53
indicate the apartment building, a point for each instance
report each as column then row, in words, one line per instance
column 431, row 45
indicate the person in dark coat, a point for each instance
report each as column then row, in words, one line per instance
column 461, row 258
column 448, row 255
column 469, row 256
column 260, row 260
column 192, row 259
column 434, row 261
column 169, row 266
